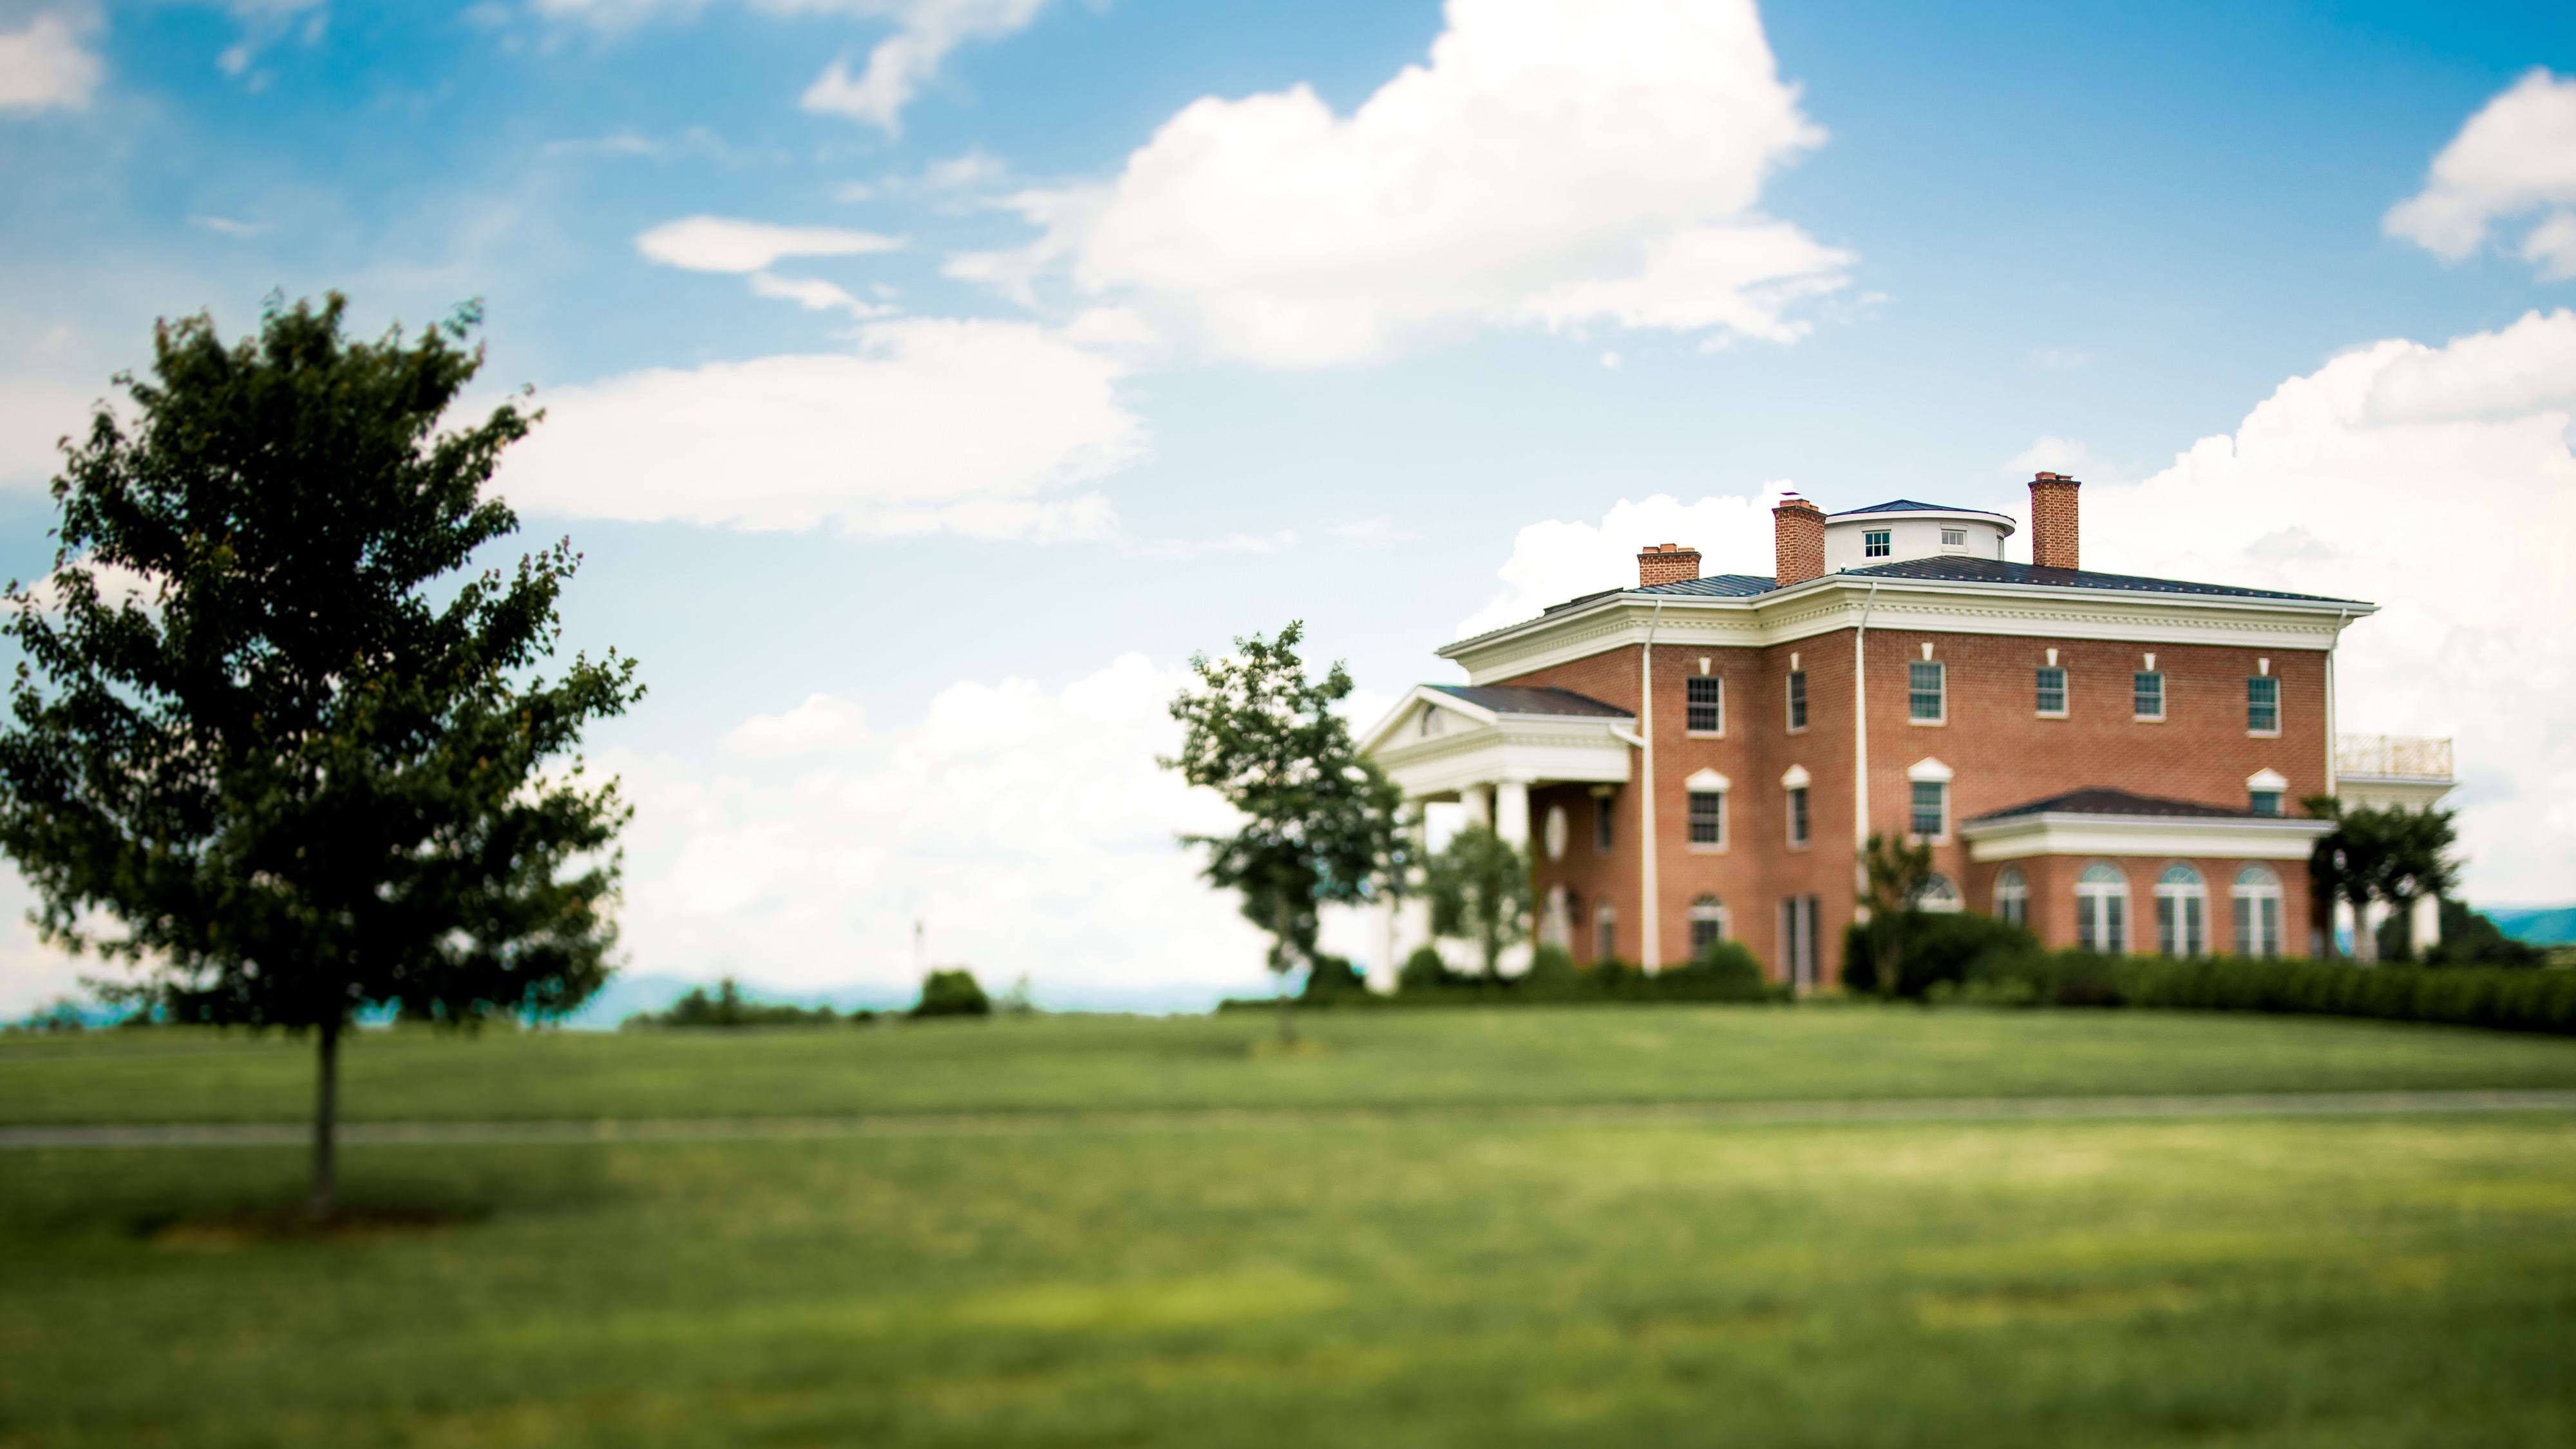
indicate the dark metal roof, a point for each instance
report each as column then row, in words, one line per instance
column 1720, row 586
column 1962, row 570
column 2119, row 802
column 1528, row 699
column 1907, row 505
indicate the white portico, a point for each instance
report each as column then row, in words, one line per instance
column 1485, row 746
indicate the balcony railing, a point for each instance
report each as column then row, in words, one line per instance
column 2392, row 757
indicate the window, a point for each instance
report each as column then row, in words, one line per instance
column 2258, row 911
column 1798, row 940
column 2101, row 909
column 2263, row 802
column 1874, row 543
column 1705, row 712
column 1707, row 817
column 1923, row 699
column 2147, row 687
column 1798, row 816
column 2012, row 896
column 2263, row 706
column 1937, row 895
column 1602, row 816
column 1931, row 808
column 1708, row 923
column 2051, row 691
column 1954, row 538
column 1797, row 699
column 1605, row 932
column 2182, row 912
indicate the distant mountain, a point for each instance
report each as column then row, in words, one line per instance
column 2541, row 925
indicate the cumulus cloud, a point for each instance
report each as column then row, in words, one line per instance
column 815, row 295
column 2516, row 157
column 2438, row 483
column 1028, row 828
column 44, row 67
column 36, row 413
column 925, row 31
column 721, row 244
column 2052, row 454
column 933, row 425
column 1550, row 165
column 1554, row 561
column 823, row 724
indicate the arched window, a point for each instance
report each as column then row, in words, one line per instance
column 2182, row 911
column 1554, row 922
column 1605, row 932
column 1708, row 922
column 2012, row 896
column 1937, row 895
column 2102, row 909
column 2258, row 911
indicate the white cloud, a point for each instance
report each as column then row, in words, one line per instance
column 1029, row 828
column 43, row 67
column 2516, row 156
column 720, row 244
column 934, row 425
column 2437, row 482
column 226, row 226
column 35, row 414
column 2052, row 454
column 814, row 295
column 1551, row 165
column 926, row 30
column 1555, row 561
column 823, row 724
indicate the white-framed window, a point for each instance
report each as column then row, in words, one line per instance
column 1605, row 932
column 1707, row 922
column 1930, row 817
column 1605, row 816
column 2264, row 792
column 2012, row 896
column 2147, row 693
column 2262, row 706
column 1937, row 895
column 2182, row 911
column 1954, row 538
column 2257, row 897
column 1704, row 705
column 1798, row 815
column 2102, row 909
column 1707, row 792
column 1797, row 700
column 1926, row 697
column 1874, row 543
column 1433, row 721
column 2049, row 692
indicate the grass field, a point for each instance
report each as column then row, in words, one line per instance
column 1502, row 1277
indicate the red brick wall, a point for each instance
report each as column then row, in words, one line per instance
column 1797, row 543
column 2001, row 755
column 2052, row 897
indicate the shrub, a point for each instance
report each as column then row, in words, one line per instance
column 2513, row 999
column 1425, row 971
column 1722, row 971
column 1332, row 976
column 2470, row 939
column 1940, row 948
column 727, row 1008
column 952, row 992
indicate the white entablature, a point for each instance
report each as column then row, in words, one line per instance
column 1443, row 742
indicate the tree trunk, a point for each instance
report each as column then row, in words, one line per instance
column 326, row 1124
column 2363, row 952
column 1287, row 1004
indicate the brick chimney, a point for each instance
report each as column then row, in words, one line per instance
column 2052, row 521
column 1666, row 563
column 1797, row 541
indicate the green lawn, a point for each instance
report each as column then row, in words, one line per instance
column 1501, row 1278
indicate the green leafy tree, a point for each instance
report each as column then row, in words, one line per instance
column 2379, row 853
column 1319, row 820
column 1481, row 892
column 266, row 749
column 1892, row 876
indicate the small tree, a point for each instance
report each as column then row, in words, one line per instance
column 2415, row 863
column 1892, row 876
column 1319, row 820
column 1480, row 891
column 2378, row 853
column 303, row 770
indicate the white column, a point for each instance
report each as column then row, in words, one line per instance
column 1479, row 801
column 2428, row 924
column 1388, row 963
column 1511, row 811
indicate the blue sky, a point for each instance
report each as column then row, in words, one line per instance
column 930, row 377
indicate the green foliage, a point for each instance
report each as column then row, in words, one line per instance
column 1551, row 968
column 952, row 993
column 2382, row 853
column 301, row 771
column 1425, row 971
column 1934, row 948
column 728, row 1008
column 2469, row 938
column 1319, row 819
column 1892, row 874
column 1333, row 976
column 2487, row 996
column 1481, row 891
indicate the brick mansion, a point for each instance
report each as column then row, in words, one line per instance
column 2115, row 762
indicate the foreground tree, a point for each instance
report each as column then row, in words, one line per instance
column 1480, row 891
column 2387, row 854
column 1319, row 820
column 1892, row 877
column 264, row 748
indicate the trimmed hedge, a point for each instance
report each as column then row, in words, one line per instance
column 2501, row 997
column 1723, row 971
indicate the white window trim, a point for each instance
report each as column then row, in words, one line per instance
column 2274, row 732
column 1792, row 781
column 1944, row 718
column 1929, row 771
column 2065, row 694
column 2164, row 698
column 2196, row 890
column 1789, row 721
column 1718, row 733
column 1707, row 782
